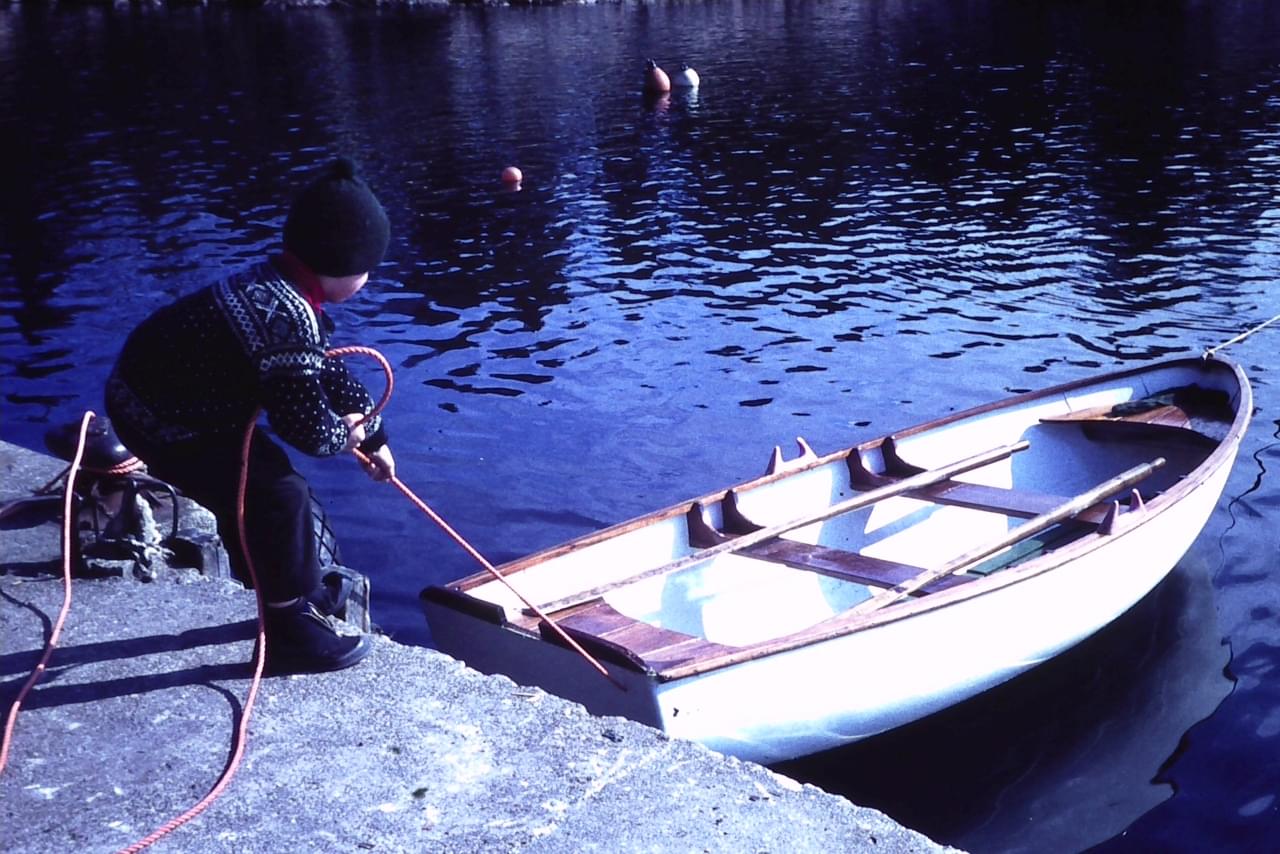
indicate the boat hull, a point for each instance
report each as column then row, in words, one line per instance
column 790, row 693
column 835, row 692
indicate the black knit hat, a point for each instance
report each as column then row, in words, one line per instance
column 336, row 226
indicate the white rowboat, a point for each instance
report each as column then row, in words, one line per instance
column 840, row 596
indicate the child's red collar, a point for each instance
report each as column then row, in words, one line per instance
column 301, row 276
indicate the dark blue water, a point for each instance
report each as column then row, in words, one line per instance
column 870, row 213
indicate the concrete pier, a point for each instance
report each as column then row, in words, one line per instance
column 410, row 751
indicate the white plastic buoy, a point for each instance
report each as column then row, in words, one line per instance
column 685, row 78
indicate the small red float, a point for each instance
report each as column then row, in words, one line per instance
column 512, row 175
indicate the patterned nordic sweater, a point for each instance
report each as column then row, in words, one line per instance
column 200, row 367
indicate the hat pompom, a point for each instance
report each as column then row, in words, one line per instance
column 343, row 167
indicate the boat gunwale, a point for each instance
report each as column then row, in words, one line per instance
column 843, row 623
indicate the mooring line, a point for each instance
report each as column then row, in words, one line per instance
column 1212, row 351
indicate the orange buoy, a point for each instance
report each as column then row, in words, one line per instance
column 512, row 175
column 655, row 79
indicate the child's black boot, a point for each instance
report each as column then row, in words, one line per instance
column 302, row 640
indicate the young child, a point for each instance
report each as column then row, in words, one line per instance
column 191, row 376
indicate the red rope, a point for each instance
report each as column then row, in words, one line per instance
column 493, row 570
column 445, row 526
column 54, row 635
column 356, row 350
column 260, row 649
column 130, row 465
column 259, row 661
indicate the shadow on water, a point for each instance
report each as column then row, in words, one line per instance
column 1061, row 758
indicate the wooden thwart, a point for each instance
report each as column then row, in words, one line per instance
column 1067, row 510
column 654, row 645
column 1167, row 415
column 1019, row 503
column 857, row 502
column 846, row 565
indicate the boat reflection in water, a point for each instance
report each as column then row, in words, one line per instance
column 1065, row 756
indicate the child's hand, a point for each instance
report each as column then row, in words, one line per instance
column 381, row 465
column 355, row 430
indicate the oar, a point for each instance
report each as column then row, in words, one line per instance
column 1067, row 510
column 916, row 481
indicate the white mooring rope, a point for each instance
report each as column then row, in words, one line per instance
column 1212, row 351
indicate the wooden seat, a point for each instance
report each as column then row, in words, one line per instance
column 599, row 626
column 1018, row 503
column 1134, row 412
column 846, row 565
column 875, row 572
column 1188, row 415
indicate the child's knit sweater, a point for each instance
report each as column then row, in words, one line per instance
column 199, row 368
